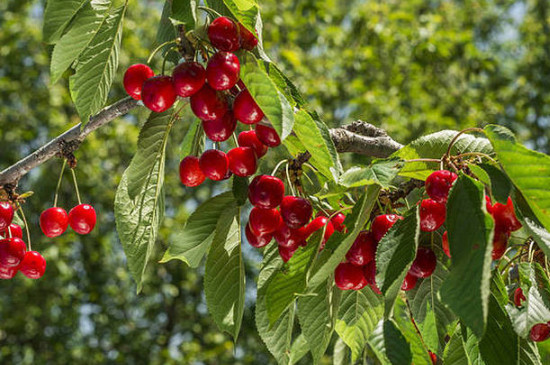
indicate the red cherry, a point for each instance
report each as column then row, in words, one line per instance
column 242, row 161
column 295, row 211
column 33, row 265
column 363, row 249
column 267, row 135
column 338, row 222
column 248, row 39
column 349, row 277
column 249, row 139
column 219, row 130
column 409, row 283
column 222, row 71
column 8, row 272
column 317, row 224
column 134, row 77
column 488, row 204
column 188, row 78
column 369, row 271
column 54, row 221
column 190, row 172
column 500, row 242
column 519, row 297
column 6, row 215
column 432, row 215
column 288, row 237
column 158, row 93
column 540, row 332
column 424, row 264
column 382, row 224
column 433, row 357
column 505, row 216
column 264, row 221
column 438, row 185
column 82, row 218
column 286, row 253
column 266, row 191
column 224, row 34
column 445, row 244
column 214, row 164
column 257, row 241
column 13, row 229
column 245, row 108
column 207, row 104
column 12, row 251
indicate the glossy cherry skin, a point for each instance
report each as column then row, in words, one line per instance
column 369, row 270
column 286, row 253
column 54, row 221
column 249, row 139
column 207, row 104
column 349, row 277
column 540, row 332
column 8, row 272
column 424, row 264
column 445, row 244
column 6, row 215
column 266, row 191
column 13, row 230
column 267, row 135
column 214, row 164
column 432, row 215
column 295, row 211
column 158, row 93
column 82, row 218
column 288, row 237
column 505, row 216
column 222, row 71
column 248, row 39
column 257, row 241
column 245, row 108
column 190, row 172
column 134, row 77
column 188, row 78
column 263, row 221
column 519, row 297
column 12, row 251
column 242, row 161
column 338, row 222
column 363, row 249
column 224, row 34
column 438, row 185
column 382, row 224
column 409, row 282
column 219, row 130
column 33, row 265
column 500, row 242
column 317, row 224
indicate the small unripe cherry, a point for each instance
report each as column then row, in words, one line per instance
column 222, row 71
column 363, row 249
column 224, row 34
column 267, row 135
column 134, row 77
column 263, row 221
column 540, row 332
column 33, row 265
column 424, row 264
column 286, row 253
column 158, row 93
column 296, row 211
column 13, row 230
column 519, row 297
column 288, row 237
column 188, row 78
column 248, row 39
column 242, row 161
column 445, row 244
column 432, row 215
column 82, row 218
column 349, row 277
column 266, row 191
column 219, row 130
column 338, row 222
column 7, row 273
column 190, row 172
column 207, row 104
column 409, row 282
column 438, row 185
column 505, row 216
column 246, row 109
column 257, row 241
column 6, row 215
column 249, row 139
column 382, row 224
column 12, row 251
column 54, row 221
column 214, row 164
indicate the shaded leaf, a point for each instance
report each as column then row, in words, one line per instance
column 185, row 11
column 381, row 172
column 57, row 16
column 193, row 142
column 298, row 349
column 404, row 324
column 389, row 344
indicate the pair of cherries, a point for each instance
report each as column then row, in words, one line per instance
column 54, row 221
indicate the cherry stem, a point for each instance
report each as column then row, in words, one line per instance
column 423, row 160
column 289, row 182
column 158, row 49
column 414, row 324
column 235, row 140
column 26, row 225
column 519, row 255
column 453, row 141
column 339, row 211
column 478, row 154
column 211, row 12
column 277, row 167
column 76, row 187
column 59, row 183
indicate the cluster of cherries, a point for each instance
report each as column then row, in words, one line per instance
column 55, row 220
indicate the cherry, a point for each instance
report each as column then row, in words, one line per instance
column 317, row 224
column 245, row 108
column 424, row 264
column 6, row 215
column 409, row 282
column 295, row 211
column 214, row 164
column 257, row 241
column 158, row 93
column 433, row 357
column 432, row 215
column 248, row 39
column 445, row 244
column 370, row 274
column 266, row 191
column 82, row 218
column 286, row 253
column 505, row 216
column 188, row 78
column 263, row 221
column 134, row 77
column 288, row 237
column 338, row 222
column 190, row 172
column 13, row 229
column 33, row 265
column 207, row 104
column 438, row 185
column 219, row 130
column 249, row 139
column 12, row 251
column 222, row 71
column 363, row 249
column 267, row 135
column 519, row 297
column 8, row 272
column 242, row 161
column 224, row 34
column 349, row 277
column 54, row 221
column 540, row 332
column 382, row 224
column 500, row 242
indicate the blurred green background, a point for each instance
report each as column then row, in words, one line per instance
column 412, row 67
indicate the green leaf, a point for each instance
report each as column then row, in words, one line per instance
column 538, row 297
column 390, row 345
column 530, row 223
column 245, row 11
column 240, row 189
column 224, row 277
column 185, row 11
column 381, row 172
column 96, row 67
column 167, row 32
column 467, row 288
column 193, row 142
column 284, row 84
column 403, row 321
column 298, row 349
column 191, row 243
column 57, row 16
column 501, row 186
column 340, row 354
column 454, row 352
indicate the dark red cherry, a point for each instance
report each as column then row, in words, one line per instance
column 445, row 244
column 245, row 108
column 409, row 282
column 33, row 265
column 438, row 185
column 369, row 270
column 158, row 93
column 8, row 272
column 286, row 253
column 500, row 242
column 349, row 277
column 190, row 172
column 266, row 191
column 263, row 221
column 54, row 221
column 363, row 249
column 249, row 139
column 248, row 39
column 134, row 77
column 188, row 78
column 505, row 216
column 207, row 104
column 296, row 211
column 214, row 164
column 255, row 240
column 6, row 215
column 382, row 224
column 432, row 215
column 224, row 34
column 424, row 264
column 82, row 218
column 338, row 222
column 13, row 230
column 267, row 135
column 288, row 237
column 219, row 130
column 222, row 71
column 12, row 251
column 317, row 224
column 540, row 332
column 242, row 161
column 519, row 297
